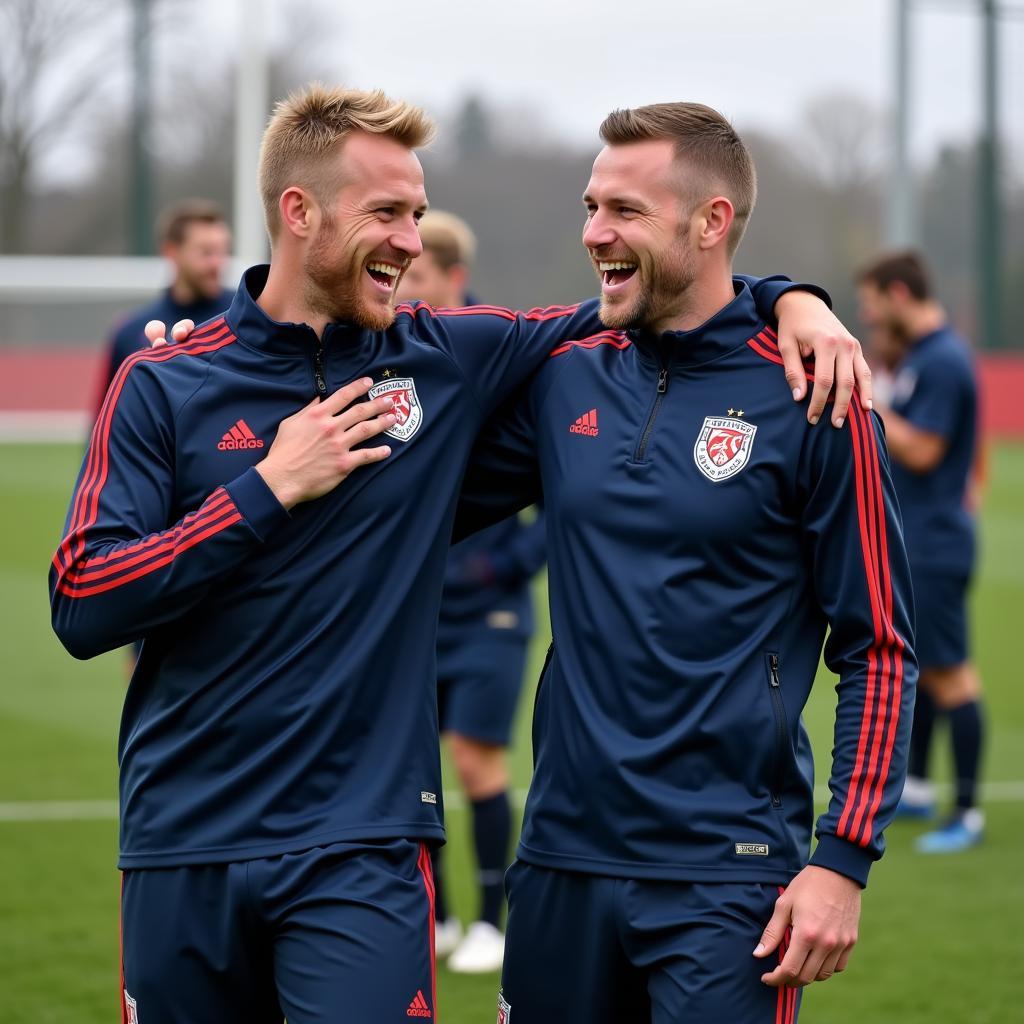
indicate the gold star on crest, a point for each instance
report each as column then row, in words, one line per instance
column 388, row 373
column 732, row 412
column 739, row 412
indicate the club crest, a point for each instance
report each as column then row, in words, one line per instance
column 723, row 447
column 408, row 411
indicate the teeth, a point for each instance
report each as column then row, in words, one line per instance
column 616, row 265
column 384, row 268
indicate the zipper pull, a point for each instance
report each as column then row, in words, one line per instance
column 318, row 371
column 663, row 380
column 773, row 662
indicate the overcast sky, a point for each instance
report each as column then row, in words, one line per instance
column 757, row 61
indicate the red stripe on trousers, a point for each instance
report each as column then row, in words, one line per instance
column 426, row 870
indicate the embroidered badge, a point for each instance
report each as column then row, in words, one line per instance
column 723, row 446
column 408, row 411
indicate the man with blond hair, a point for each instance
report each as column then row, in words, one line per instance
column 280, row 777
column 702, row 537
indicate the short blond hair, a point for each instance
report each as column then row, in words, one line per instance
column 448, row 238
column 703, row 139
column 312, row 122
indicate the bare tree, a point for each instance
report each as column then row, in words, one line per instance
column 54, row 61
column 842, row 141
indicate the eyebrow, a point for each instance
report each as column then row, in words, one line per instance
column 619, row 200
column 386, row 200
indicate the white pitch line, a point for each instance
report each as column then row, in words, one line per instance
column 1003, row 791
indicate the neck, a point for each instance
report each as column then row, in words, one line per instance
column 182, row 292
column 283, row 298
column 924, row 318
column 699, row 303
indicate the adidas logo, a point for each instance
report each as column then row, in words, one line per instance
column 239, row 436
column 585, row 424
column 418, row 1007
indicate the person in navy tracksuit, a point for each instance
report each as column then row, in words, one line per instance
column 484, row 630
column 932, row 426
column 702, row 538
column 279, row 769
column 196, row 241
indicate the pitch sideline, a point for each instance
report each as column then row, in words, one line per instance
column 15, row 811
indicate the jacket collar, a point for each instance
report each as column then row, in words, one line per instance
column 728, row 329
column 257, row 330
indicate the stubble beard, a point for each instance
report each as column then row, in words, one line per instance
column 334, row 290
column 662, row 286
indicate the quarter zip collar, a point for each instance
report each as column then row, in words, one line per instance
column 720, row 334
column 257, row 330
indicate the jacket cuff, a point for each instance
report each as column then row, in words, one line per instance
column 843, row 857
column 797, row 286
column 256, row 501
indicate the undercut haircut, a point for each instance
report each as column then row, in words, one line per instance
column 448, row 238
column 308, row 127
column 174, row 222
column 906, row 267
column 706, row 146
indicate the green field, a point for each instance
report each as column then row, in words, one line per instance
column 939, row 938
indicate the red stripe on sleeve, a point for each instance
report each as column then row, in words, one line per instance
column 162, row 543
column 896, row 642
column 180, row 548
column 86, row 502
column 878, row 723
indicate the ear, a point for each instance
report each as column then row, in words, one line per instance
column 300, row 212
column 712, row 221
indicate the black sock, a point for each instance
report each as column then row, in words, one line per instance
column 921, row 734
column 966, row 727
column 492, row 833
column 440, row 907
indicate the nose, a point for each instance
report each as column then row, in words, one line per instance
column 407, row 238
column 597, row 233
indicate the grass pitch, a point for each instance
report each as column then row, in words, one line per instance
column 939, row 937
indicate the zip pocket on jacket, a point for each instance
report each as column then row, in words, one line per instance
column 781, row 741
column 536, row 697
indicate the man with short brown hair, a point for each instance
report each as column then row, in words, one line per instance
column 196, row 241
column 703, row 539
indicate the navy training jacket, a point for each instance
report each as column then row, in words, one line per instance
column 701, row 537
column 285, row 694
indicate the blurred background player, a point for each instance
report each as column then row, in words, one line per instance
column 484, row 631
column 196, row 241
column 931, row 430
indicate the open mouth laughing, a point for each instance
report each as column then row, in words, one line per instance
column 615, row 274
column 384, row 275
